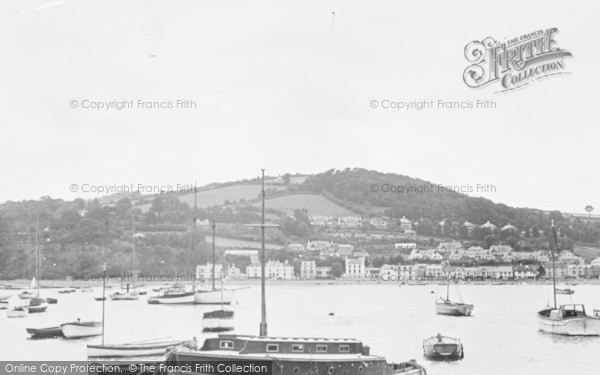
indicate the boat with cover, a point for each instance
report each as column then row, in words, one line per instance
column 291, row 355
column 37, row 305
column 39, row 333
column 443, row 347
column 140, row 349
column 218, row 320
column 568, row 320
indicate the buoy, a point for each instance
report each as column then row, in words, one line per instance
column 331, row 314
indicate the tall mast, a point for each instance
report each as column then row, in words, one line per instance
column 194, row 229
column 263, row 304
column 37, row 251
column 214, row 228
column 553, row 265
column 104, row 282
column 133, row 246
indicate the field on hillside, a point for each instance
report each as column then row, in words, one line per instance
column 207, row 198
column 315, row 204
column 239, row 244
column 587, row 253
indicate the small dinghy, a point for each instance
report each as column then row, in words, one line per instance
column 37, row 305
column 4, row 297
column 123, row 295
column 27, row 294
column 218, row 321
column 39, row 333
column 65, row 291
column 564, row 291
column 80, row 329
column 52, row 301
column 100, row 298
column 443, row 347
column 141, row 349
column 17, row 312
column 3, row 305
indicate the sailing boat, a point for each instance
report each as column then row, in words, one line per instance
column 444, row 306
column 571, row 319
column 291, row 355
column 37, row 304
column 565, row 290
column 128, row 293
column 222, row 319
column 213, row 295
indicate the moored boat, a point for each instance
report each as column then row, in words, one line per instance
column 564, row 291
column 447, row 307
column 27, row 294
column 122, row 295
column 3, row 305
column 141, row 349
column 568, row 320
column 218, row 320
column 45, row 332
column 52, row 301
column 176, row 295
column 65, row 291
column 294, row 355
column 213, row 297
column 443, row 347
column 80, row 329
column 37, row 305
column 4, row 297
column 17, row 312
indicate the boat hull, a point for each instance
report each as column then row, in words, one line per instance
column 213, row 297
column 453, row 309
column 131, row 350
column 37, row 308
column 79, row 330
column 17, row 313
column 217, row 324
column 45, row 332
column 124, row 296
column 182, row 299
column 580, row 326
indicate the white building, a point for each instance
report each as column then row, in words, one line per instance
column 596, row 262
column 308, row 269
column 273, row 270
column 296, row 247
column 204, row 271
column 355, row 268
column 407, row 272
column 405, row 245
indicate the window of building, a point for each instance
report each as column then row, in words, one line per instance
column 272, row 348
column 344, row 348
column 321, row 348
column 297, row 348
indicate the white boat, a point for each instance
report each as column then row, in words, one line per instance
column 443, row 347
column 176, row 295
column 141, row 349
column 214, row 297
column 3, row 305
column 569, row 320
column 447, row 307
column 27, row 294
column 564, row 291
column 80, row 329
column 122, row 295
column 4, row 297
column 218, row 320
column 17, row 312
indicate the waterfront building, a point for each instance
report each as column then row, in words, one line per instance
column 204, row 271
column 308, row 269
column 355, row 268
column 323, row 272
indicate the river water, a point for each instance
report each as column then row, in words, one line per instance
column 500, row 338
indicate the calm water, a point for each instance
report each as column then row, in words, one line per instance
column 501, row 337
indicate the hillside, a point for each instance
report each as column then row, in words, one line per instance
column 313, row 203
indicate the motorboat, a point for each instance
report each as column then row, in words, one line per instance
column 443, row 347
column 569, row 320
column 38, row 333
column 80, row 329
column 141, row 349
column 175, row 295
column 218, row 320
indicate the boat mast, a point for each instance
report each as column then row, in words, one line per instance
column 263, row 321
column 104, row 282
column 553, row 264
column 133, row 247
column 37, row 251
column 214, row 228
column 194, row 228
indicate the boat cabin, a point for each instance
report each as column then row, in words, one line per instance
column 272, row 345
column 567, row 311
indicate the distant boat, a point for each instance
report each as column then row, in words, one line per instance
column 218, row 320
column 564, row 291
column 65, row 291
column 125, row 295
column 45, row 332
column 27, row 294
column 52, row 301
column 86, row 290
column 176, row 295
column 568, row 320
column 4, row 297
column 100, row 298
column 443, row 347
column 3, row 305
column 141, row 349
column 17, row 312
column 80, row 329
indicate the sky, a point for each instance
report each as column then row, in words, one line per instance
column 287, row 86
